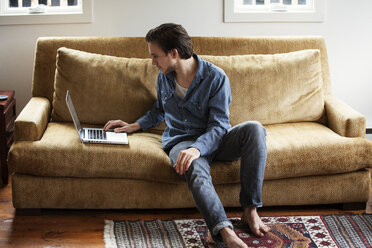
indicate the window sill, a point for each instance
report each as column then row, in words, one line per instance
column 275, row 17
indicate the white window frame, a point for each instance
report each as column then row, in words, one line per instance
column 262, row 13
column 71, row 14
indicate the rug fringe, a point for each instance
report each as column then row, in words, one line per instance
column 108, row 236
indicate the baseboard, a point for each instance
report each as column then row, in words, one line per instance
column 354, row 206
column 28, row 212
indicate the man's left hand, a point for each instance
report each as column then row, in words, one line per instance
column 185, row 159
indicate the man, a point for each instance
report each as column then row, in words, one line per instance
column 193, row 99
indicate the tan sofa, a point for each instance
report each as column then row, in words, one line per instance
column 317, row 150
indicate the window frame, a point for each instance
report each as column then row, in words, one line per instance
column 265, row 14
column 71, row 14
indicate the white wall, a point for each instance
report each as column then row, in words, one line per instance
column 347, row 31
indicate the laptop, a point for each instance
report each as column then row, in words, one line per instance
column 94, row 135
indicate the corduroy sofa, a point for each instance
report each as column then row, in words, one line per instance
column 317, row 150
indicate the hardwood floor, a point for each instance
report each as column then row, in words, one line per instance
column 84, row 228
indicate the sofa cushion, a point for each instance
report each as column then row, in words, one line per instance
column 294, row 150
column 107, row 87
column 274, row 88
column 304, row 149
column 103, row 87
column 61, row 153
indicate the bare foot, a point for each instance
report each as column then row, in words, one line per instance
column 231, row 240
column 254, row 222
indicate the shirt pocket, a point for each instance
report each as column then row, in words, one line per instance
column 195, row 109
column 167, row 101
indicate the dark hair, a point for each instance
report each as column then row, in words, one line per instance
column 169, row 36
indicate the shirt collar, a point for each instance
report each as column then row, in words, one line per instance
column 201, row 73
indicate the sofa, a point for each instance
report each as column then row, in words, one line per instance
column 317, row 150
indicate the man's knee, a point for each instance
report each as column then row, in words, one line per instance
column 173, row 155
column 253, row 130
column 198, row 172
column 175, row 151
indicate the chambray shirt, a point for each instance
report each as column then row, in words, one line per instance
column 202, row 115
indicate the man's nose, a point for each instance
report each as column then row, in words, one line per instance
column 154, row 61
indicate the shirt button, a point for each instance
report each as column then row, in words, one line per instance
column 185, row 120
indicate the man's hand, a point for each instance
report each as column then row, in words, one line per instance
column 185, row 158
column 122, row 126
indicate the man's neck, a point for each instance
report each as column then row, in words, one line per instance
column 186, row 71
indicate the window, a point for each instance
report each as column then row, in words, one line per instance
column 45, row 11
column 274, row 10
column 22, row 7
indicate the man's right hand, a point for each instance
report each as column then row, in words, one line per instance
column 121, row 126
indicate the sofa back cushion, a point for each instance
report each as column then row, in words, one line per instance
column 103, row 87
column 274, row 88
column 136, row 47
column 271, row 89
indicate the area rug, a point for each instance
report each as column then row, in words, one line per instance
column 341, row 231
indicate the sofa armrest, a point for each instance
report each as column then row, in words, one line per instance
column 343, row 119
column 33, row 120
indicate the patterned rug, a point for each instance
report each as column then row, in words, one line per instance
column 287, row 231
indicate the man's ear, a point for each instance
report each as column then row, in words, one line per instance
column 174, row 53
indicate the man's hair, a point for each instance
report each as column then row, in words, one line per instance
column 169, row 36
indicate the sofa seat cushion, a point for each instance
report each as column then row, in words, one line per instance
column 60, row 153
column 304, row 149
column 294, row 150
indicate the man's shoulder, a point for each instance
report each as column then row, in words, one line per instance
column 211, row 68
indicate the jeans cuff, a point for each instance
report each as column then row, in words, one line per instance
column 247, row 204
column 216, row 229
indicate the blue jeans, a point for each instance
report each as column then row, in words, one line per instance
column 246, row 141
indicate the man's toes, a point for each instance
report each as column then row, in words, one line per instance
column 264, row 229
column 256, row 231
column 260, row 234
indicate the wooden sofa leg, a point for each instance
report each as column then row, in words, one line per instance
column 28, row 212
column 354, row 206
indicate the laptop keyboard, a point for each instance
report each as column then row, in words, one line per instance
column 96, row 134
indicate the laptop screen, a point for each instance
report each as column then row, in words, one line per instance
column 72, row 110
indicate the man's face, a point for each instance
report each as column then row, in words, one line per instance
column 164, row 62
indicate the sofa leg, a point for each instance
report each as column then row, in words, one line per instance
column 354, row 206
column 28, row 212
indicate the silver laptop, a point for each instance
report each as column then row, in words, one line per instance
column 94, row 135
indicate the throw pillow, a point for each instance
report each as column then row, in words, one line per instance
column 103, row 87
column 275, row 88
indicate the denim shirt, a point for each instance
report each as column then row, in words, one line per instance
column 202, row 115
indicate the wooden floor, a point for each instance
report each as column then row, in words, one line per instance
column 83, row 228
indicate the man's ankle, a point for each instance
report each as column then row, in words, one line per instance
column 250, row 210
column 226, row 231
